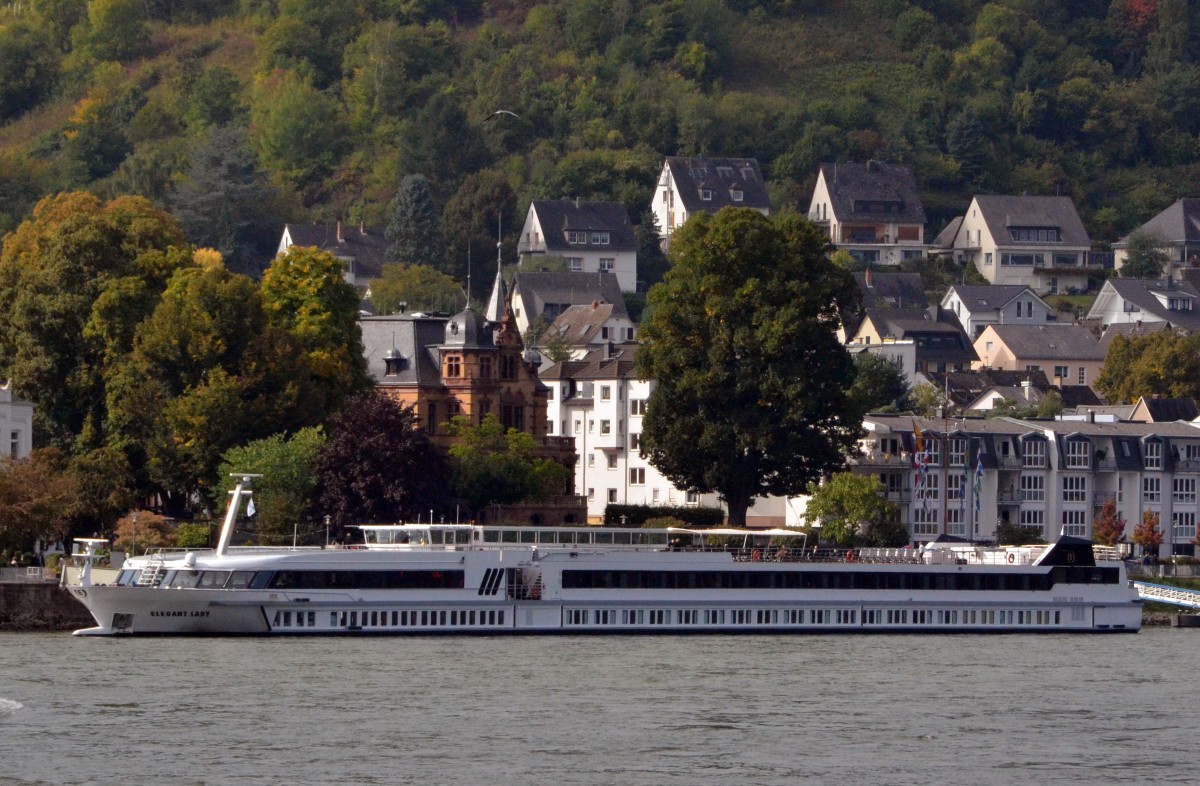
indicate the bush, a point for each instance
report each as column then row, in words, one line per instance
column 663, row 522
column 638, row 515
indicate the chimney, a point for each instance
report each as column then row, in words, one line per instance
column 1027, row 386
column 576, row 203
column 867, row 277
column 362, row 227
column 1091, row 416
column 339, row 232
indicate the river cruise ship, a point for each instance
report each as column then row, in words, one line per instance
column 460, row 579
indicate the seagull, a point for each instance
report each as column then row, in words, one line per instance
column 501, row 112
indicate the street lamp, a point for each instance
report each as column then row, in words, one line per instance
column 326, row 530
column 133, row 545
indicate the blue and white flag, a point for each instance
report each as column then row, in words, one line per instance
column 978, row 488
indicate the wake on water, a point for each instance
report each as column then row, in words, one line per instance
column 9, row 707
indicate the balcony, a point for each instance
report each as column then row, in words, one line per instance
column 1187, row 465
column 874, row 459
column 899, row 495
column 1009, row 497
column 1009, row 463
column 1099, row 498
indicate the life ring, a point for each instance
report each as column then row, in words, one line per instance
column 1012, row 558
column 756, row 555
column 850, row 555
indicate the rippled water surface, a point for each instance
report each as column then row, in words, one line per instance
column 601, row 710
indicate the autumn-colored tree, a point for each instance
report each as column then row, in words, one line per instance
column 35, row 497
column 141, row 530
column 1161, row 364
column 1147, row 534
column 1109, row 526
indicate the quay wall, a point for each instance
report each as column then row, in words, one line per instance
column 40, row 606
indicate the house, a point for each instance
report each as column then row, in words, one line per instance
column 586, row 327
column 599, row 402
column 1053, row 475
column 363, row 250
column 1033, row 241
column 871, row 210
column 548, row 295
column 1137, row 300
column 940, row 343
column 1069, row 354
column 887, row 290
column 1177, row 230
column 1164, row 410
column 976, row 306
column 687, row 186
column 591, row 237
column 16, row 424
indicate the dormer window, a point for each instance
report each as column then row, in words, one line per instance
column 706, row 194
column 725, row 172
column 1154, row 455
column 577, row 238
column 735, row 194
column 393, row 362
column 1078, row 454
column 1179, row 304
column 1035, row 234
column 599, row 238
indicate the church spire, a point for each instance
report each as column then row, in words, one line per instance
column 496, row 303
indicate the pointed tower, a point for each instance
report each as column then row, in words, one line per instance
column 495, row 307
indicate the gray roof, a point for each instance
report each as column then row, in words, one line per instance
column 1001, row 212
column 580, row 325
column 963, row 387
column 366, row 246
column 988, row 297
column 945, row 238
column 1142, row 293
column 1069, row 342
column 1170, row 409
column 937, row 339
column 1132, row 330
column 553, row 293
column 611, row 361
column 873, row 191
column 1018, row 427
column 1179, row 223
column 414, row 337
column 891, row 290
column 559, row 216
column 721, row 176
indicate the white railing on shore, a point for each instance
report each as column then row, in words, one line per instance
column 1176, row 596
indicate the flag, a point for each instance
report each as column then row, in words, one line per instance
column 250, row 510
column 962, row 490
column 920, row 463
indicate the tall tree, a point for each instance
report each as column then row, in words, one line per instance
column 378, row 464
column 751, row 383
column 35, row 495
column 1109, row 525
column 224, row 201
column 1161, row 364
column 483, row 205
column 305, row 294
column 29, row 66
column 414, row 231
column 1147, row 534
column 879, row 384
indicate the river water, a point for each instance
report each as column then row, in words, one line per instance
column 601, row 710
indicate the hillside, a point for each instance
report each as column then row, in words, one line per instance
column 238, row 116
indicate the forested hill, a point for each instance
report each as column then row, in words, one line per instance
column 238, row 115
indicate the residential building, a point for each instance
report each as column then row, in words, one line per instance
column 1069, row 354
column 1054, row 475
column 1164, row 410
column 548, row 295
column 584, row 328
column 1136, row 300
column 599, row 402
column 940, row 343
column 591, row 237
column 362, row 249
column 16, row 424
column 887, row 290
column 976, row 306
column 1033, row 241
column 1177, row 232
column 871, row 210
column 687, row 186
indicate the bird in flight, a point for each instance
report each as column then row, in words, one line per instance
column 493, row 115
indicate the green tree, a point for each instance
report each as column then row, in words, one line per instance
column 1109, row 525
column 1146, row 256
column 224, row 201
column 1008, row 534
column 879, row 384
column 282, row 496
column 414, row 288
column 115, row 30
column 305, row 294
column 482, row 205
column 378, row 465
column 1163, row 364
column 214, row 99
column 491, row 465
column 296, row 129
column 926, row 400
column 29, row 67
column 414, row 233
column 849, row 507
column 751, row 384
column 1050, row 405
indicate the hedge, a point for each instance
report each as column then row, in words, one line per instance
column 636, row 515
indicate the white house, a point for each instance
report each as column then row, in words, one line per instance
column 976, row 306
column 687, row 186
column 548, row 295
column 599, row 401
column 592, row 237
column 871, row 210
column 16, row 424
column 1033, row 241
column 585, row 327
column 362, row 249
column 1138, row 302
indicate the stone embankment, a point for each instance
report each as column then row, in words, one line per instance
column 40, row 607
